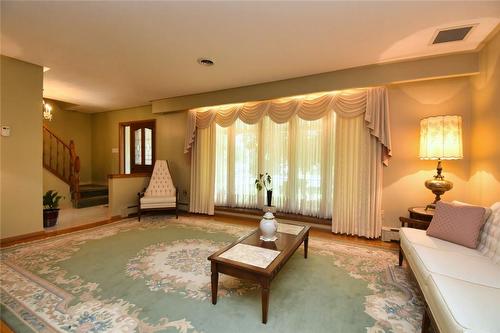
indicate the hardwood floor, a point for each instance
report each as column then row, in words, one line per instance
column 315, row 232
column 4, row 328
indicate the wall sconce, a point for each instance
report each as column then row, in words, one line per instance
column 47, row 111
column 440, row 139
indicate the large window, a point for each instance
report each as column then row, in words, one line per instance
column 297, row 154
column 137, row 146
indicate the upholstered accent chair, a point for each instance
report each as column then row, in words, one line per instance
column 161, row 194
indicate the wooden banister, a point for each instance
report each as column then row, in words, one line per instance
column 46, row 129
column 61, row 159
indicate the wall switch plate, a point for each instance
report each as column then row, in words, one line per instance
column 5, row 131
column 114, row 150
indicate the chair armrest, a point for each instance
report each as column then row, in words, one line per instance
column 141, row 194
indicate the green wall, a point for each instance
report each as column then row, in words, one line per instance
column 170, row 131
column 77, row 126
column 21, row 152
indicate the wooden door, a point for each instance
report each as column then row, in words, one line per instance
column 142, row 146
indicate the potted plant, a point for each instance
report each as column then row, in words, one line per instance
column 264, row 181
column 50, row 208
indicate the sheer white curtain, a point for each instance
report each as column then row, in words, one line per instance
column 358, row 179
column 236, row 157
column 312, row 145
column 311, row 166
column 221, row 166
column 275, row 150
column 203, row 171
column 297, row 154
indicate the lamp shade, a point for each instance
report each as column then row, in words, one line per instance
column 441, row 138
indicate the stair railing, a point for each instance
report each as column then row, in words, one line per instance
column 61, row 160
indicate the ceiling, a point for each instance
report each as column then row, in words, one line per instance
column 111, row 54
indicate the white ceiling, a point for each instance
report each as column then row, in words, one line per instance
column 110, row 54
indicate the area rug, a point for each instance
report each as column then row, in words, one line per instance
column 154, row 276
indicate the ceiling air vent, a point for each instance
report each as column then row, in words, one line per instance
column 452, row 35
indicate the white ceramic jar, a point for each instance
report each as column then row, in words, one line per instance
column 268, row 227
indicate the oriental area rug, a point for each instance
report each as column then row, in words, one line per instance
column 154, row 276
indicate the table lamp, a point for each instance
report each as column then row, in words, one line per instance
column 440, row 139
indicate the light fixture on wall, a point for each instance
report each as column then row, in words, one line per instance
column 440, row 139
column 47, row 110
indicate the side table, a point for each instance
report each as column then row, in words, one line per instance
column 420, row 213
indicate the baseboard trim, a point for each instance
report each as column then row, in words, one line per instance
column 19, row 238
column 9, row 241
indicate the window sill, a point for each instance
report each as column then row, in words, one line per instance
column 279, row 215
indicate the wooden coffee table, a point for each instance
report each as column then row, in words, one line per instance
column 286, row 244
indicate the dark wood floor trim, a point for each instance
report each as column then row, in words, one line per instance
column 4, row 328
column 5, row 242
column 279, row 215
column 20, row 238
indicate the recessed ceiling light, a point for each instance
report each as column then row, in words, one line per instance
column 206, row 62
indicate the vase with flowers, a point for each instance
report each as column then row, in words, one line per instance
column 264, row 181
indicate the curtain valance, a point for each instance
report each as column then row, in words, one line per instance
column 373, row 102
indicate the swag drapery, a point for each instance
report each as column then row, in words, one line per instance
column 362, row 145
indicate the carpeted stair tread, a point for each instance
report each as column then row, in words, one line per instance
column 92, row 201
column 87, row 191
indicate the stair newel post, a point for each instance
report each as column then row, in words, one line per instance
column 57, row 156
column 64, row 162
column 43, row 145
column 50, row 151
column 74, row 171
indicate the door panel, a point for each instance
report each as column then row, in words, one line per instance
column 142, row 146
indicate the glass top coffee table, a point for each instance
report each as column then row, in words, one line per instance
column 252, row 259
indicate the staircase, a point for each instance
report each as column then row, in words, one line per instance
column 61, row 160
column 92, row 195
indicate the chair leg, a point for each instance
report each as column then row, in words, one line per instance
column 400, row 256
column 139, row 213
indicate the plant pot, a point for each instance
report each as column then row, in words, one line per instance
column 50, row 217
column 269, row 197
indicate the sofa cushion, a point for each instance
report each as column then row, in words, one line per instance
column 157, row 199
column 459, row 265
column 490, row 236
column 457, row 224
column 158, row 205
column 419, row 237
column 461, row 306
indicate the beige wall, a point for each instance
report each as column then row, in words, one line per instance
column 404, row 178
column 76, row 126
column 476, row 177
column 485, row 137
column 364, row 76
column 51, row 182
column 123, row 194
column 170, row 129
column 21, row 153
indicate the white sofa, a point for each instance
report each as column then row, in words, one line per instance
column 461, row 286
